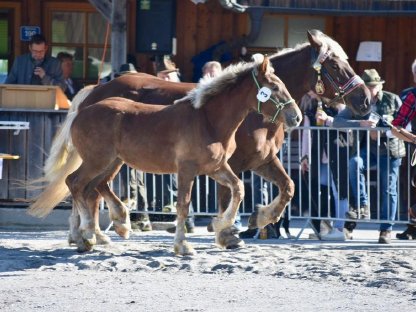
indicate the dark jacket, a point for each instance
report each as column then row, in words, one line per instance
column 24, row 65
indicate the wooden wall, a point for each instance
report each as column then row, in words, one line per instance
column 198, row 27
column 397, row 35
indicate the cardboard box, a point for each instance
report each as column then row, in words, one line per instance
column 28, row 96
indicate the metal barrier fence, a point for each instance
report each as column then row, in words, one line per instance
column 317, row 194
column 161, row 189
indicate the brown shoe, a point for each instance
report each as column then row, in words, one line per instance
column 385, row 237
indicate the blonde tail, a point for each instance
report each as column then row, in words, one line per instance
column 61, row 144
column 56, row 190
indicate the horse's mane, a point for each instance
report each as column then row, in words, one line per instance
column 328, row 44
column 209, row 87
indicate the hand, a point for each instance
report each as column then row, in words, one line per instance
column 368, row 123
column 39, row 71
column 321, row 116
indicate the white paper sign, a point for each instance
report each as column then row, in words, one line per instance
column 264, row 94
column 369, row 51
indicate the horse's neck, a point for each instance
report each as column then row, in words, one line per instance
column 226, row 111
column 294, row 68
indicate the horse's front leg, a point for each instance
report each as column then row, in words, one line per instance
column 274, row 172
column 225, row 232
column 185, row 183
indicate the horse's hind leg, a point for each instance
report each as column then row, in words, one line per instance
column 274, row 172
column 185, row 183
column 225, row 232
column 82, row 184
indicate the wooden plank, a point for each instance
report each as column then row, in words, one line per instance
column 17, row 169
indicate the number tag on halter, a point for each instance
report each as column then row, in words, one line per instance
column 264, row 94
column 319, row 87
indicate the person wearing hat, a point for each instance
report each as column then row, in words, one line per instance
column 406, row 115
column 386, row 155
column 166, row 69
column 127, row 68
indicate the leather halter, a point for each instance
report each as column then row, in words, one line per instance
column 279, row 105
column 340, row 90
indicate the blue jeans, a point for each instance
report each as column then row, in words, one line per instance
column 389, row 169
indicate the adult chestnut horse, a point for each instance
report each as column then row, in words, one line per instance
column 319, row 63
column 194, row 136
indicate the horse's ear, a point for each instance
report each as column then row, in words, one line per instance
column 314, row 40
column 265, row 65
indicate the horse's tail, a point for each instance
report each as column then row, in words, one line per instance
column 61, row 144
column 56, row 190
column 63, row 159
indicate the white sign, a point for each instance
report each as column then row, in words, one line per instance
column 264, row 94
column 369, row 51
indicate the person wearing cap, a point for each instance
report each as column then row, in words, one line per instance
column 406, row 116
column 387, row 155
column 36, row 67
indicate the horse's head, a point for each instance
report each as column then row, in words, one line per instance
column 273, row 98
column 334, row 79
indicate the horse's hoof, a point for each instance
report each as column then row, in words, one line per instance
column 102, row 239
column 122, row 229
column 228, row 238
column 71, row 241
column 184, row 249
column 84, row 246
column 235, row 244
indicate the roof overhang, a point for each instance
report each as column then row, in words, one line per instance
column 326, row 7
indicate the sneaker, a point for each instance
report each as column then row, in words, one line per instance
column 334, row 235
column 352, row 214
column 249, row 233
column 365, row 213
column 385, row 237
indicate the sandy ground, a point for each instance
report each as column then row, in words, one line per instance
column 40, row 272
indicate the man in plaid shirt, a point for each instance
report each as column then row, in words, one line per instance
column 405, row 115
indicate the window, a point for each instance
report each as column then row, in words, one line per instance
column 281, row 31
column 4, row 47
column 81, row 32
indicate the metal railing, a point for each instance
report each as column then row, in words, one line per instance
column 161, row 189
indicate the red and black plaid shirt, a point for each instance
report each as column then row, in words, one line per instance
column 406, row 112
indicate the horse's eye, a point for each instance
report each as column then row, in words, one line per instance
column 335, row 66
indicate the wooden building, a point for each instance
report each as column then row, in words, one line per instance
column 228, row 30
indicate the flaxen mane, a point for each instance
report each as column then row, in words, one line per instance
column 209, row 87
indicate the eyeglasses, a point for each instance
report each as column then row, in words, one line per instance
column 37, row 51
